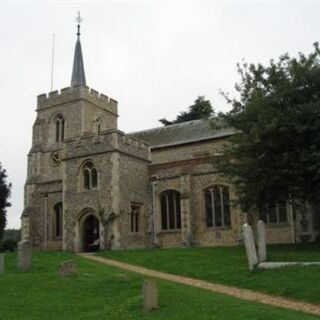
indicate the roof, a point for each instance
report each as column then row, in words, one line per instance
column 78, row 76
column 181, row 133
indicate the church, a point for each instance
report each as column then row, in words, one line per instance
column 91, row 186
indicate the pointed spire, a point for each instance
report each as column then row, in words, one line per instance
column 78, row 76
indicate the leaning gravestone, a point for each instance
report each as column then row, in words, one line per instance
column 150, row 295
column 24, row 255
column 250, row 247
column 67, row 268
column 262, row 245
column 1, row 263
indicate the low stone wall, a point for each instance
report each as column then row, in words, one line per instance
column 278, row 233
column 216, row 237
column 170, row 239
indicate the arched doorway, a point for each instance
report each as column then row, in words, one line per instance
column 91, row 234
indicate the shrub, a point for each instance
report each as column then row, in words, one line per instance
column 8, row 245
column 10, row 240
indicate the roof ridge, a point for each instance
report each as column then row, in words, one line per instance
column 181, row 124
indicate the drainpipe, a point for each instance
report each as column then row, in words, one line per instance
column 154, row 231
column 45, row 220
column 292, row 220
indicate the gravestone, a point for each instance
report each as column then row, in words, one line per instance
column 150, row 295
column 24, row 255
column 262, row 245
column 1, row 263
column 67, row 268
column 250, row 247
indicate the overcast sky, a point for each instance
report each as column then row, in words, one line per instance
column 154, row 57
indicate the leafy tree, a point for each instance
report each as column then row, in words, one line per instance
column 201, row 109
column 5, row 191
column 10, row 240
column 275, row 151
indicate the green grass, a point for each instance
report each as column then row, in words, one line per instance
column 101, row 292
column 228, row 265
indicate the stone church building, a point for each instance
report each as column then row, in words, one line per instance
column 91, row 186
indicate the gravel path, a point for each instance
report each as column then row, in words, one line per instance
column 244, row 294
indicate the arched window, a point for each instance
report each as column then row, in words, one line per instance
column 57, row 220
column 274, row 213
column 97, row 126
column 90, row 176
column 217, row 202
column 170, row 210
column 94, row 178
column 135, row 217
column 59, row 128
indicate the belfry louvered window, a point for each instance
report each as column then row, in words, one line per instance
column 59, row 128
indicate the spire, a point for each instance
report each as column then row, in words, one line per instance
column 78, row 75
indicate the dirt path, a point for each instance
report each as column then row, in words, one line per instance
column 244, row 294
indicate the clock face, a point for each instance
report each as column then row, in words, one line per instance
column 55, row 158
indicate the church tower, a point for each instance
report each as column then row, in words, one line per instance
column 73, row 192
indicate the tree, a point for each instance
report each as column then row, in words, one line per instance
column 201, row 109
column 5, row 191
column 10, row 240
column 275, row 151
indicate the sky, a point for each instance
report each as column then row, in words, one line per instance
column 154, row 57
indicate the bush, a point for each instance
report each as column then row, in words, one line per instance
column 10, row 240
column 8, row 245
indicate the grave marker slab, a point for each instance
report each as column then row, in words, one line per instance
column 24, row 255
column 1, row 263
column 262, row 244
column 67, row 268
column 150, row 295
column 250, row 247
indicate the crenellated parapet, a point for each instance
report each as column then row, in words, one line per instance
column 70, row 94
column 108, row 141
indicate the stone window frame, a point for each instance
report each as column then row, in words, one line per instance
column 217, row 198
column 135, row 217
column 171, row 217
column 57, row 219
column 97, row 126
column 89, row 176
column 274, row 215
column 59, row 128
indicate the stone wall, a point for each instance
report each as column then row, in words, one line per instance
column 123, row 179
column 134, row 190
column 169, row 166
column 45, row 196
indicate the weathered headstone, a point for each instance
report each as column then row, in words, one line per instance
column 1, row 263
column 250, row 247
column 262, row 245
column 67, row 268
column 24, row 255
column 150, row 295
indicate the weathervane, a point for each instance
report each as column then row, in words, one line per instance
column 78, row 19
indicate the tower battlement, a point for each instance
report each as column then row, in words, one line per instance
column 70, row 94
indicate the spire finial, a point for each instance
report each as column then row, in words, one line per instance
column 79, row 20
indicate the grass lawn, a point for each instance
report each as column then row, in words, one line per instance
column 228, row 265
column 101, row 292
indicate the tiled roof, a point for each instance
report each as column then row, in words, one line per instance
column 181, row 133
